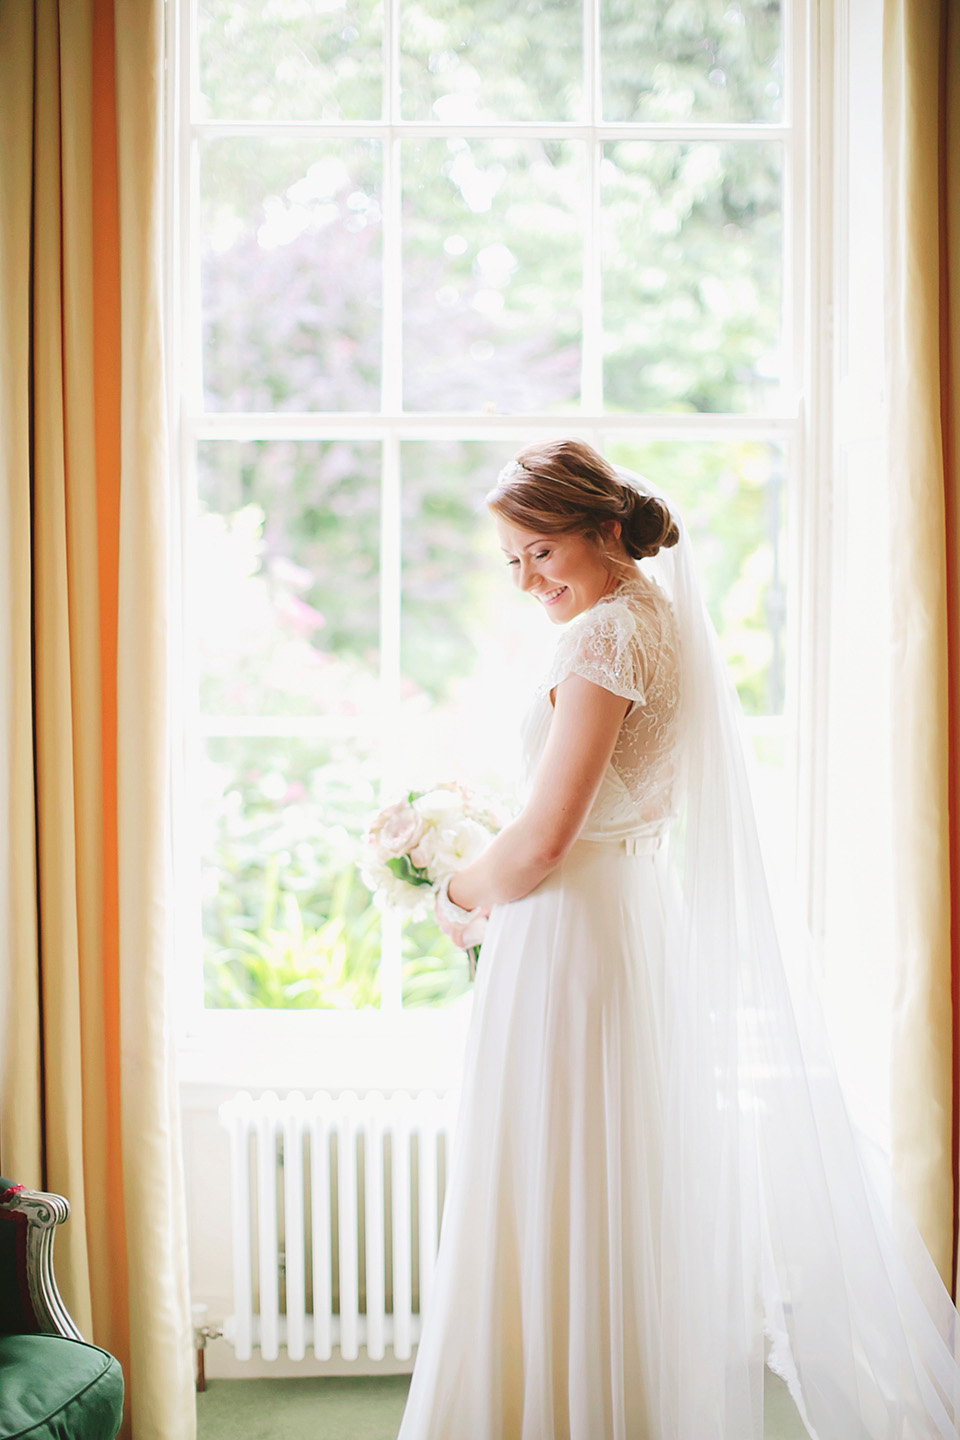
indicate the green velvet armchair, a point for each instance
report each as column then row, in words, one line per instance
column 53, row 1386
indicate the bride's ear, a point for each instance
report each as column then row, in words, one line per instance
column 612, row 529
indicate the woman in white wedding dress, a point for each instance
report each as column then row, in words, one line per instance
column 655, row 1189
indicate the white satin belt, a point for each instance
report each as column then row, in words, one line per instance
column 630, row 844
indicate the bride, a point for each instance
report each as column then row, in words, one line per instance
column 655, row 1192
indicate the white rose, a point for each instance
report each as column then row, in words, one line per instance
column 454, row 846
column 397, row 830
column 470, row 839
column 394, row 894
column 373, row 872
column 438, row 806
column 437, row 853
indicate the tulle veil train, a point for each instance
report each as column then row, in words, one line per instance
column 785, row 1241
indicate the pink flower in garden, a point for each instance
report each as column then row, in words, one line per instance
column 304, row 616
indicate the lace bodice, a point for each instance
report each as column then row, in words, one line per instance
column 626, row 643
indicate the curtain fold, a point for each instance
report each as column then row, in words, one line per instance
column 950, row 420
column 21, row 1118
column 153, row 1180
column 88, row 1105
column 922, row 259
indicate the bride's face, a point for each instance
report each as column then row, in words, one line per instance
column 563, row 573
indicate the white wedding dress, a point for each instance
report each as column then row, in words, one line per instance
column 545, row 1318
column 656, row 1193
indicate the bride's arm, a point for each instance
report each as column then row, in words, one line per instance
column 583, row 731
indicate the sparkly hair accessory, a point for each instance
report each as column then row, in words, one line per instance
column 511, row 468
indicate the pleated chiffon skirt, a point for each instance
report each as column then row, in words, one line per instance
column 543, row 1323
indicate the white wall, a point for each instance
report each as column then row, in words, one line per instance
column 282, row 1057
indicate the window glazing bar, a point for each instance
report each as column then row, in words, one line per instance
column 591, row 308
column 509, row 428
column 519, row 130
column 391, row 756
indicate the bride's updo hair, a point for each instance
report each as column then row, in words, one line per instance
column 565, row 487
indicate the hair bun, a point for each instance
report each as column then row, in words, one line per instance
column 565, row 487
column 648, row 525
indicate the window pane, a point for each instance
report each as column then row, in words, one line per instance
column 290, row 61
column 732, row 496
column 286, row 565
column 287, row 921
column 691, row 276
column 692, row 60
column 291, row 259
column 491, row 60
column 492, row 275
column 472, row 648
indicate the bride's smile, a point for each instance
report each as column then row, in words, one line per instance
column 565, row 573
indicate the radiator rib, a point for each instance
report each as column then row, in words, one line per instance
column 293, row 1231
column 322, row 1224
column 373, row 1215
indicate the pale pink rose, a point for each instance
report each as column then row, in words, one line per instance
column 397, row 830
column 428, row 848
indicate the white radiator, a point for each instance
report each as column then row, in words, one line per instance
column 336, row 1210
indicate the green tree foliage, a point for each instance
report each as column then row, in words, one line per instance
column 691, row 276
column 290, row 59
column 307, row 563
column 291, row 283
column 492, row 60
column 678, row 60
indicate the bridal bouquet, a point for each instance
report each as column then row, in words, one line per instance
column 415, row 844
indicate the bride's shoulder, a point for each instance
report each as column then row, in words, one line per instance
column 616, row 642
column 625, row 617
column 637, row 611
column 641, row 598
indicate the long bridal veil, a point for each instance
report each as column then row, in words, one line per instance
column 784, row 1242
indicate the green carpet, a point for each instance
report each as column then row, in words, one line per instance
column 362, row 1408
column 338, row 1408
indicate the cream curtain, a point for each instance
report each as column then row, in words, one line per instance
column 922, row 182
column 88, row 1104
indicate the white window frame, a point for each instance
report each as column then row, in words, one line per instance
column 391, row 1035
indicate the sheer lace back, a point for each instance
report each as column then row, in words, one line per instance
column 627, row 644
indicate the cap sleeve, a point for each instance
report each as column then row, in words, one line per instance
column 604, row 645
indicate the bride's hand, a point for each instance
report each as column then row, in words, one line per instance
column 464, row 927
column 473, row 933
column 464, row 935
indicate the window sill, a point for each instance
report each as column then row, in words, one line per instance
column 320, row 1050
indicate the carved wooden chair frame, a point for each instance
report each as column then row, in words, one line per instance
column 39, row 1214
